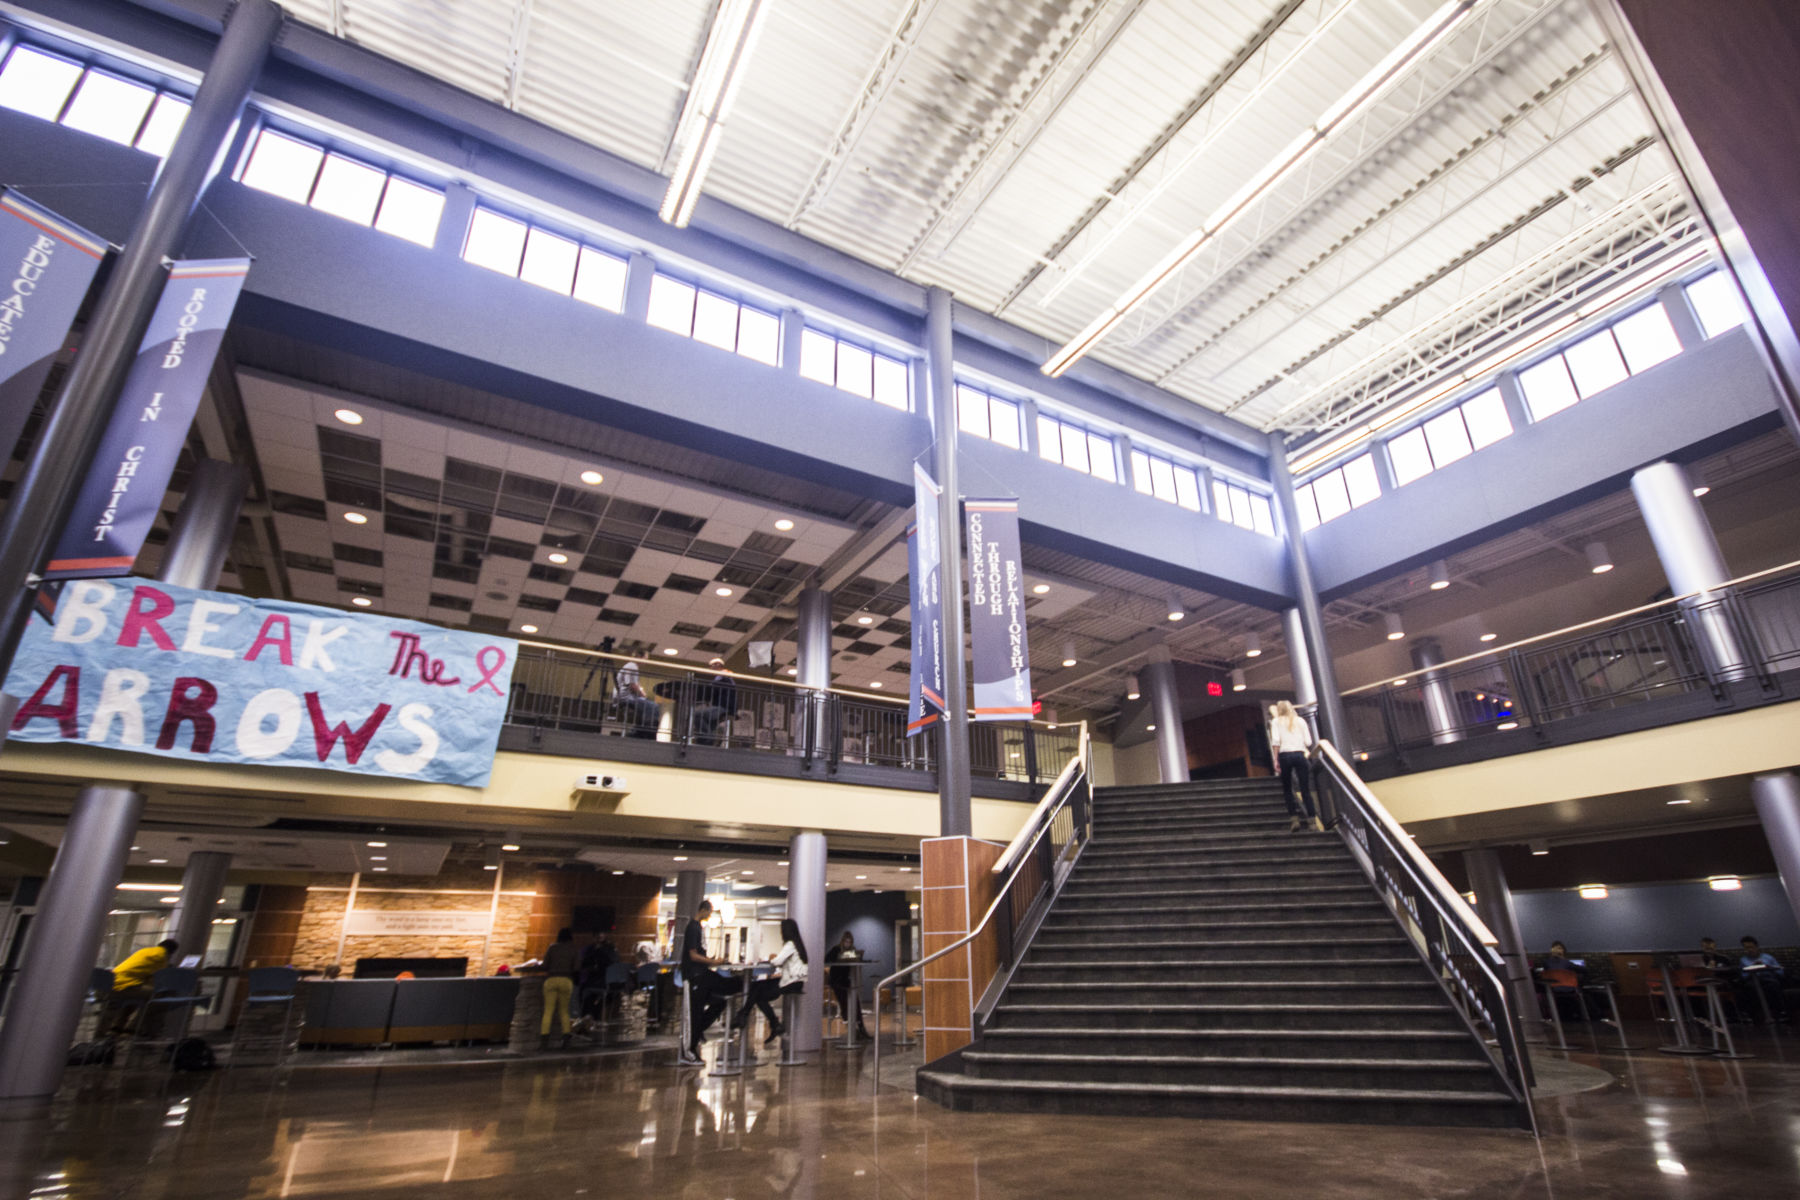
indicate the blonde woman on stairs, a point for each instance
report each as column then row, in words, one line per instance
column 1290, row 740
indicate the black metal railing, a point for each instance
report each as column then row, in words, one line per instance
column 1035, row 865
column 1460, row 950
column 1745, row 630
column 570, row 691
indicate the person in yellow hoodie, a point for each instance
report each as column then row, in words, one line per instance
column 131, row 982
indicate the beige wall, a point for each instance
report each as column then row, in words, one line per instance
column 1134, row 766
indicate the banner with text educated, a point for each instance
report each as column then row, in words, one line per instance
column 47, row 264
column 1002, row 659
column 120, row 498
column 926, row 695
column 207, row 677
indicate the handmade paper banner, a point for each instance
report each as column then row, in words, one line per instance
column 121, row 496
column 46, row 265
column 1002, row 660
column 927, row 689
column 208, row 677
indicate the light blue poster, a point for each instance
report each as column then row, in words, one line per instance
column 207, row 677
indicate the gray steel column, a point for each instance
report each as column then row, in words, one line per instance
column 45, row 494
column 953, row 757
column 806, row 905
column 1165, row 705
column 202, row 883
column 1777, row 800
column 1440, row 702
column 1299, row 661
column 1494, row 905
column 1306, row 598
column 59, row 950
column 812, row 638
column 1691, row 560
column 201, row 536
column 690, row 888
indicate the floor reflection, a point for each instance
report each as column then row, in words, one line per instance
column 637, row 1125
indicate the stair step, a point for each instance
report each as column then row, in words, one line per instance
column 1099, row 1065
column 1200, row 973
column 1264, row 819
column 1204, row 860
column 1172, row 917
column 1228, row 1041
column 1264, row 786
column 1344, row 874
column 1154, row 943
column 1411, row 1106
column 1259, row 1014
column 1082, row 993
column 1185, row 839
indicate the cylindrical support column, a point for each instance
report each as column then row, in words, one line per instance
column 953, row 757
column 1494, row 905
column 1440, row 703
column 1777, row 799
column 201, row 886
column 1306, row 599
column 1306, row 692
column 1165, row 706
column 690, row 889
column 59, row 950
column 60, row 461
column 812, row 637
column 1691, row 560
column 806, row 906
column 201, row 536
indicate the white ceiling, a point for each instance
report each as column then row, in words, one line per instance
column 272, row 849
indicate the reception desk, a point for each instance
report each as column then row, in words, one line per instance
column 371, row 1012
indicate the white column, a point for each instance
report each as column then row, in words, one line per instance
column 806, row 906
column 1165, row 705
column 1777, row 800
column 1691, row 560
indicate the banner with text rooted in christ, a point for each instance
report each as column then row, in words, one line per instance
column 203, row 676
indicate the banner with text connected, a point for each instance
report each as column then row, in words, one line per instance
column 204, row 676
column 927, row 691
column 1002, row 660
column 47, row 265
column 120, row 498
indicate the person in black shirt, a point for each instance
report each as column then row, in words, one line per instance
column 841, row 979
column 706, row 987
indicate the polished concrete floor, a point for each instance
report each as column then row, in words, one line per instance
column 634, row 1125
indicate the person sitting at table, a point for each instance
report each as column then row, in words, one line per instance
column 842, row 979
column 790, row 976
column 1568, row 1000
column 637, row 711
column 1761, row 972
column 707, row 988
column 131, row 985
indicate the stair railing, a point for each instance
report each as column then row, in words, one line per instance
column 1036, row 863
column 1455, row 943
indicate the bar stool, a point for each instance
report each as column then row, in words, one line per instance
column 266, row 1021
column 791, row 1007
column 728, row 1063
column 1556, row 982
column 903, row 1038
column 1674, row 998
column 174, row 995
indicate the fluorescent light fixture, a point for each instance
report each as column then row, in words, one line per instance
column 376, row 845
column 716, row 81
column 1237, row 679
column 1253, row 644
column 1724, row 883
column 1592, row 891
column 1440, row 575
column 145, row 887
column 618, row 872
column 1360, row 96
column 1684, row 801
column 1395, row 630
column 1069, row 658
column 1132, row 690
column 680, row 858
column 1400, row 682
column 1599, row 561
column 156, row 862
column 169, row 900
column 1488, row 637
column 377, row 858
column 875, row 684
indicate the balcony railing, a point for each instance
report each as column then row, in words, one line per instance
column 1745, row 630
column 574, row 691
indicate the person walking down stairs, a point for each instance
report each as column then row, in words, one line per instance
column 1290, row 741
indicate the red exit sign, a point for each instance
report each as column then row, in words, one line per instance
column 1214, row 688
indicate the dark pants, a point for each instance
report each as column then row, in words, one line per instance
column 640, row 716
column 1750, row 982
column 1295, row 773
column 124, row 1008
column 707, row 990
column 765, row 990
column 842, row 992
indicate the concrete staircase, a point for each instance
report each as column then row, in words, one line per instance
column 1203, row 961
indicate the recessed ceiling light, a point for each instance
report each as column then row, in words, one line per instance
column 793, row 670
column 670, row 651
column 1040, row 589
column 510, row 846
column 156, row 862
column 1681, row 802
column 746, row 871
column 904, row 870
column 782, row 863
column 356, row 518
column 722, row 591
column 875, row 684
column 376, row 845
column 618, row 872
column 379, row 868
column 361, row 601
column 1149, row 729
column 862, row 876
column 1507, row 725
column 168, row 899
column 1724, row 883
column 1488, row 637
column 377, row 858
column 348, row 416
column 528, row 629
column 136, row 848
column 1592, row 891
column 865, row 620
column 592, row 478
column 784, row 524
column 681, row 858
column 559, row 558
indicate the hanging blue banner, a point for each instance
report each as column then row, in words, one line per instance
column 46, row 265
column 1002, row 660
column 927, row 691
column 121, row 497
column 207, row 677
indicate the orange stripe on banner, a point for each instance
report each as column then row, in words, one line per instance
column 922, row 722
column 53, row 231
column 206, row 274
column 83, row 564
column 1026, row 709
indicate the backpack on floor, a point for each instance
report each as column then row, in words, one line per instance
column 193, row 1054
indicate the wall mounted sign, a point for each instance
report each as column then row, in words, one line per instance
column 379, row 922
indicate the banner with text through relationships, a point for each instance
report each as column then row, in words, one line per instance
column 926, row 694
column 46, row 265
column 1002, row 660
column 207, row 677
column 121, row 495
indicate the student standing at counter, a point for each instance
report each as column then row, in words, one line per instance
column 561, row 961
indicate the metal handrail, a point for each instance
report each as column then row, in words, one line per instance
column 1065, row 782
column 1040, row 815
column 1478, row 942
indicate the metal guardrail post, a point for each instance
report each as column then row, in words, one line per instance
column 1522, row 683
column 1031, row 754
column 1389, row 722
